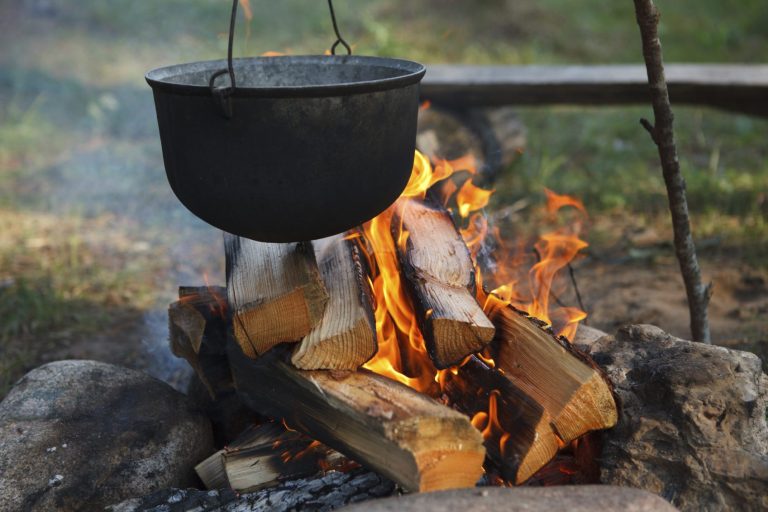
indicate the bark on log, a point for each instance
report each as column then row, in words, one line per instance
column 345, row 338
column 377, row 422
column 264, row 455
column 441, row 280
column 575, row 394
column 518, row 437
column 663, row 135
column 275, row 292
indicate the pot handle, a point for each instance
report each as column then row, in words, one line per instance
column 223, row 95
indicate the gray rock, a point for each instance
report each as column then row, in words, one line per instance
column 327, row 492
column 79, row 435
column 583, row 498
column 586, row 336
column 692, row 425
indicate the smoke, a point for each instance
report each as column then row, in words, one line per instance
column 160, row 361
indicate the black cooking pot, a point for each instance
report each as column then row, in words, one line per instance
column 303, row 147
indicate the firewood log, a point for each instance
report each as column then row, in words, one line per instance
column 345, row 338
column 197, row 332
column 264, row 455
column 382, row 424
column 275, row 292
column 573, row 392
column 518, row 437
column 441, row 279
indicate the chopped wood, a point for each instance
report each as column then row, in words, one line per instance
column 441, row 278
column 382, row 424
column 575, row 394
column 345, row 338
column 264, row 455
column 197, row 332
column 518, row 437
column 275, row 292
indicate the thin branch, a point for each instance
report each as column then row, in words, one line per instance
column 663, row 136
column 572, row 273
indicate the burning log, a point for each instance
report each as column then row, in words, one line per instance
column 264, row 455
column 345, row 338
column 406, row 436
column 275, row 292
column 574, row 394
column 518, row 437
column 197, row 327
column 441, row 279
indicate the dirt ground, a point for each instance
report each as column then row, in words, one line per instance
column 653, row 293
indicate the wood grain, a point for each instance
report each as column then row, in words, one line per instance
column 575, row 395
column 440, row 277
column 275, row 292
column 345, row 337
column 380, row 423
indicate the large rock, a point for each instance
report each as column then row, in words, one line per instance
column 692, row 425
column 583, row 498
column 79, row 435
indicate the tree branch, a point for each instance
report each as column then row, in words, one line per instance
column 663, row 136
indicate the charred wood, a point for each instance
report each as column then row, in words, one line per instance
column 441, row 279
column 265, row 455
column 518, row 437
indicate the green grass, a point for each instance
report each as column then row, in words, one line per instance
column 605, row 158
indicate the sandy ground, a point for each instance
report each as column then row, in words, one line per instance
column 617, row 294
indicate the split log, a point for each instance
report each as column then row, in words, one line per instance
column 275, row 292
column 575, row 394
column 264, row 455
column 345, row 338
column 380, row 423
column 197, row 332
column 518, row 437
column 441, row 280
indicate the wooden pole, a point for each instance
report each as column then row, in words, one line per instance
column 663, row 135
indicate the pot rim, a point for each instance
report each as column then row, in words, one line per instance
column 161, row 79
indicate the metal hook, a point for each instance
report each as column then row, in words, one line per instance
column 223, row 95
column 339, row 40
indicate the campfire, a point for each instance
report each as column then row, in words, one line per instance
column 384, row 345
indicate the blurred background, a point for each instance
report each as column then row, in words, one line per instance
column 93, row 244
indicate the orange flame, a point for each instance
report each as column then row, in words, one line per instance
column 247, row 11
column 402, row 354
column 471, row 198
column 555, row 250
column 520, row 280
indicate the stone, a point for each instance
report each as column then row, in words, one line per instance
column 586, row 336
column 330, row 491
column 582, row 498
column 79, row 435
column 692, row 425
